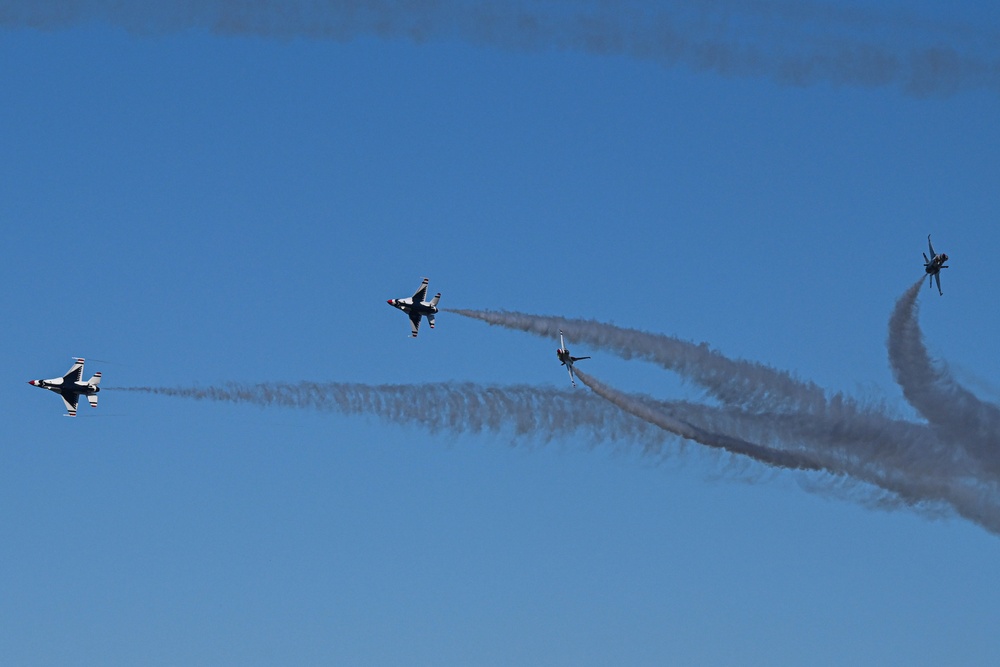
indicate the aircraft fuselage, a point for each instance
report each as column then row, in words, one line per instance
column 935, row 265
column 407, row 306
column 60, row 387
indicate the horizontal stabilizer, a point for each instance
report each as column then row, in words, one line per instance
column 92, row 399
column 437, row 297
column 96, row 379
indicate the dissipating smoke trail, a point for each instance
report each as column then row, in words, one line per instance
column 791, row 43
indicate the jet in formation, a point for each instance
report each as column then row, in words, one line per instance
column 416, row 307
column 934, row 265
column 566, row 359
column 71, row 386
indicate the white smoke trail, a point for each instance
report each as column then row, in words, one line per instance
column 949, row 467
column 447, row 407
column 958, row 415
column 751, row 387
column 746, row 384
column 792, row 43
column 903, row 459
column 788, row 423
column 733, row 445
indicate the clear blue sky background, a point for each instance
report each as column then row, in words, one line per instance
column 195, row 208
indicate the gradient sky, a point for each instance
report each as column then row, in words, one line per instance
column 193, row 202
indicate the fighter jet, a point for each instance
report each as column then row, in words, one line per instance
column 70, row 386
column 565, row 359
column 934, row 265
column 415, row 307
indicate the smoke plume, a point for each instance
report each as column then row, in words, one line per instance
column 947, row 466
column 957, row 414
column 778, row 420
column 747, row 384
column 853, row 455
column 456, row 408
column 792, row 43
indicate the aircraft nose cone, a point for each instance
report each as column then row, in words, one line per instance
column 31, row 382
column 389, row 301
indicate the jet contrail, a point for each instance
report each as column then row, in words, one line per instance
column 902, row 459
column 913, row 493
column 943, row 468
column 788, row 423
column 446, row 407
column 688, row 431
column 791, row 43
column 747, row 384
column 955, row 412
column 540, row 413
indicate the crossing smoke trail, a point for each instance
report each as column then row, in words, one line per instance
column 793, row 43
column 524, row 411
column 947, row 467
column 688, row 431
column 816, row 444
column 746, row 384
column 775, row 412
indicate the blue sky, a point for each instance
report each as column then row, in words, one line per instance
column 195, row 207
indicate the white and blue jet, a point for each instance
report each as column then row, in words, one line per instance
column 566, row 359
column 934, row 265
column 71, row 386
column 416, row 307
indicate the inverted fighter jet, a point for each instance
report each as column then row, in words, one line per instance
column 934, row 265
column 416, row 307
column 565, row 359
column 70, row 387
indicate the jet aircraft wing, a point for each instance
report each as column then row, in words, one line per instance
column 415, row 321
column 74, row 374
column 70, row 399
column 421, row 293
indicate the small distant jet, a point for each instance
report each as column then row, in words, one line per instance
column 565, row 359
column 415, row 307
column 934, row 265
column 71, row 386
